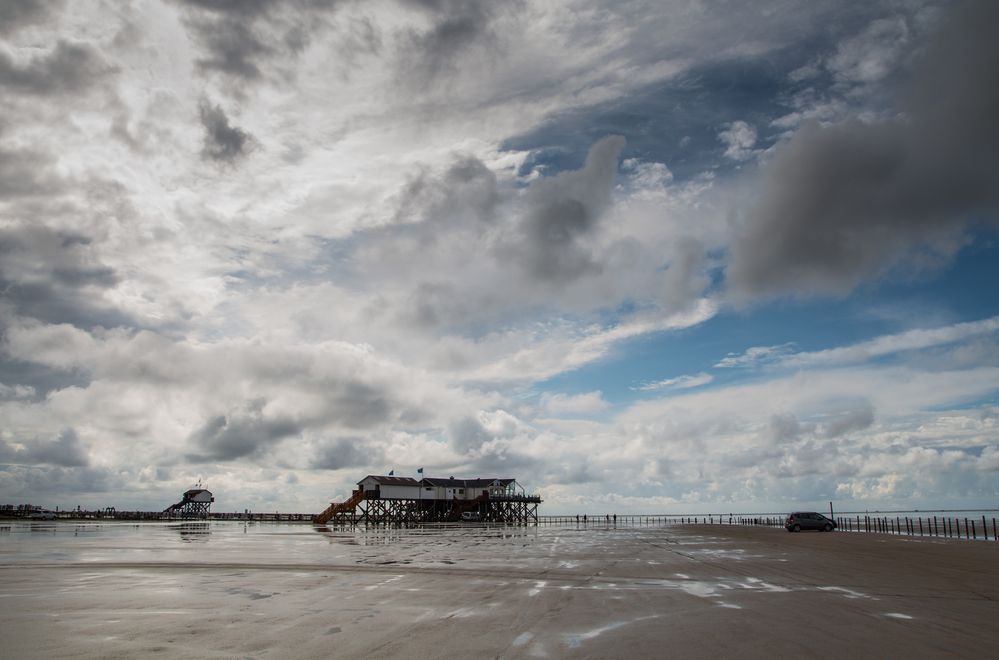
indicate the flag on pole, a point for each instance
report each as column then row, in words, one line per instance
column 391, row 472
column 420, row 471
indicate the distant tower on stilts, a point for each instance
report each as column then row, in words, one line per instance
column 196, row 503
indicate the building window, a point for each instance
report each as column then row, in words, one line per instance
column 461, row 491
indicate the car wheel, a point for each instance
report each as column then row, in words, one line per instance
column 797, row 528
column 827, row 528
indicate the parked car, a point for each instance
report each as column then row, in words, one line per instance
column 471, row 516
column 44, row 514
column 800, row 520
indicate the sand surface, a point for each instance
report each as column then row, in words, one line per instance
column 229, row 590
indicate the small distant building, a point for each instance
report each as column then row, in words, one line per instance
column 196, row 503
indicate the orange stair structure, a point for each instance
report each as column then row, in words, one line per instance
column 339, row 508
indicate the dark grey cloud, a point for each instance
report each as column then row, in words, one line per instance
column 438, row 213
column 465, row 194
column 440, row 304
column 562, row 211
column 33, row 482
column 27, row 173
column 846, row 202
column 485, row 451
column 571, row 473
column 68, row 69
column 64, row 450
column 359, row 405
column 467, row 434
column 783, row 428
column 223, row 142
column 39, row 378
column 55, row 277
column 240, row 40
column 456, row 26
column 501, row 460
column 239, row 435
column 847, row 421
column 15, row 14
column 249, row 432
column 344, row 453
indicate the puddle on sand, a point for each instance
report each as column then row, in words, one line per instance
column 897, row 615
column 575, row 639
column 848, row 593
column 538, row 586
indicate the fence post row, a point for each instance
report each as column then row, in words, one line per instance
column 946, row 526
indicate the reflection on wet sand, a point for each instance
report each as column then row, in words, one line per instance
column 236, row 589
column 193, row 531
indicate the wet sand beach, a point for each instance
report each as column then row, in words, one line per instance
column 229, row 590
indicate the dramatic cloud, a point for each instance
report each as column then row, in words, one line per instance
column 345, row 453
column 241, row 40
column 455, row 27
column 848, row 201
column 223, row 142
column 65, row 450
column 563, row 211
column 54, row 277
column 26, row 173
column 66, row 69
column 277, row 246
column 225, row 438
column 15, row 14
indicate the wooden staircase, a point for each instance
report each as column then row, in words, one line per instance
column 339, row 507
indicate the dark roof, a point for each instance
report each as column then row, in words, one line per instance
column 466, row 483
column 393, row 481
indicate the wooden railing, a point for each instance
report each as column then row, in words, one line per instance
column 339, row 507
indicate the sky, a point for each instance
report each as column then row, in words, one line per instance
column 647, row 257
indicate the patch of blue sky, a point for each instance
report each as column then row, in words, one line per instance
column 676, row 123
column 959, row 293
column 983, row 403
column 963, row 290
